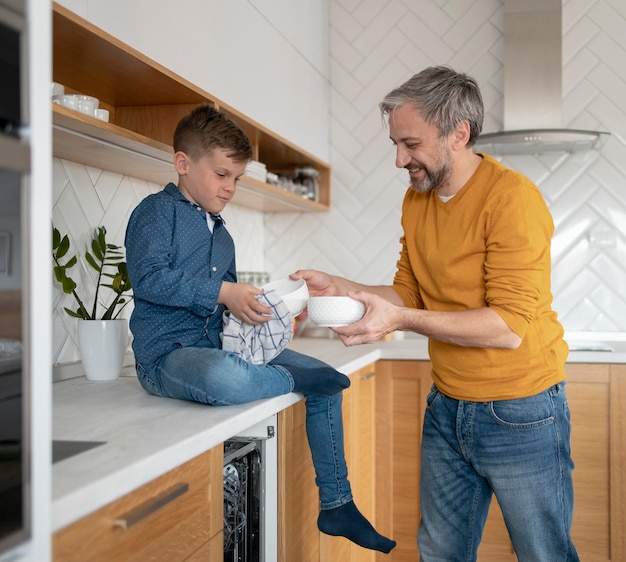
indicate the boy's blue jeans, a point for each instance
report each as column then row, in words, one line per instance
column 216, row 377
column 519, row 450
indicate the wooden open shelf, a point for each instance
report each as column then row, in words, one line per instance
column 145, row 102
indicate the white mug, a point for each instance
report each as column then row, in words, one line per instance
column 102, row 114
column 66, row 100
column 86, row 106
column 57, row 89
column 95, row 101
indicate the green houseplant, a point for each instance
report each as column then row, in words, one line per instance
column 108, row 262
column 102, row 335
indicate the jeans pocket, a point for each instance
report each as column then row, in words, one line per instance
column 524, row 413
column 432, row 396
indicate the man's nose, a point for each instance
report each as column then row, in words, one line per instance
column 402, row 157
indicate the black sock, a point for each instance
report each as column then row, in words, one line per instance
column 322, row 381
column 347, row 521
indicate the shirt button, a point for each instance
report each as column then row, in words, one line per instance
column 214, row 268
column 198, row 208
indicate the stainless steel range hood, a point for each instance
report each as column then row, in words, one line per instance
column 533, row 122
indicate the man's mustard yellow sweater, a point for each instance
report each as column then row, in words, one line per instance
column 487, row 246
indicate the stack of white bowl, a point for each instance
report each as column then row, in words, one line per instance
column 256, row 170
column 85, row 104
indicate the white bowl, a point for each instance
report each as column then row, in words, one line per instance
column 89, row 99
column 334, row 311
column 294, row 294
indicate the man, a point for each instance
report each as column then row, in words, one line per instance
column 474, row 277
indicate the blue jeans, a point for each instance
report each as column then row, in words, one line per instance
column 517, row 449
column 218, row 378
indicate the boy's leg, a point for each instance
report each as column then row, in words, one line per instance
column 339, row 515
column 213, row 376
column 216, row 377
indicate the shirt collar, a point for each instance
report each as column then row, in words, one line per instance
column 173, row 190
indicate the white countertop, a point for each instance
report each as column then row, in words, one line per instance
column 147, row 436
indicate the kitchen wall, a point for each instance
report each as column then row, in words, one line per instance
column 375, row 46
column 266, row 59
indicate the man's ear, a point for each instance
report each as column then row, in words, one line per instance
column 181, row 163
column 461, row 135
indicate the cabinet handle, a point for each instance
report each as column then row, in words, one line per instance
column 148, row 507
column 367, row 376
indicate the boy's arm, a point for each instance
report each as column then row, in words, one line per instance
column 148, row 250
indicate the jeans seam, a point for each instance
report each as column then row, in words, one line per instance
column 341, row 501
column 470, row 535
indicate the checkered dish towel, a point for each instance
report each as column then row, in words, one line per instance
column 259, row 344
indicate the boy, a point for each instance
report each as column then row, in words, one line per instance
column 181, row 262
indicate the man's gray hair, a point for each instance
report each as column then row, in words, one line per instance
column 443, row 97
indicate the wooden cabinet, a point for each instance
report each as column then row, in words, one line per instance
column 146, row 101
column 299, row 538
column 176, row 517
column 401, row 390
column 597, row 401
column 359, row 421
column 298, row 498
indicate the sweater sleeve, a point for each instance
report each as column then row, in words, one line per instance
column 405, row 282
column 517, row 263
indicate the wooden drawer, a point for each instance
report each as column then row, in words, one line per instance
column 171, row 518
column 211, row 551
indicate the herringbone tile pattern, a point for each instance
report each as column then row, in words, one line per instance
column 377, row 45
column 85, row 198
column 374, row 47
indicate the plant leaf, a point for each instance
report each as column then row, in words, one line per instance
column 92, row 262
column 77, row 313
column 68, row 285
column 63, row 247
column 96, row 249
column 59, row 273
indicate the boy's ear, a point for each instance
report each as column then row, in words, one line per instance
column 181, row 163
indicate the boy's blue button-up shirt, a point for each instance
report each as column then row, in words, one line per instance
column 176, row 267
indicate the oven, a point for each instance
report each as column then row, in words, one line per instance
column 250, row 495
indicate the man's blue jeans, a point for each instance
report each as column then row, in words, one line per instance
column 216, row 377
column 519, row 450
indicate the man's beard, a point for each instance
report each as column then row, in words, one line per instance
column 435, row 178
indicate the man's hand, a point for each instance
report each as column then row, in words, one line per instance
column 380, row 318
column 320, row 284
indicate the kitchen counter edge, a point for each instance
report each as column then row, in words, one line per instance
column 146, row 436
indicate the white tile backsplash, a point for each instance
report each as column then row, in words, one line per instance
column 373, row 48
column 583, row 191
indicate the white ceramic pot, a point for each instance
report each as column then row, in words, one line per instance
column 102, row 345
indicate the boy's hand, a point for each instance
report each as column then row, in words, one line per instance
column 240, row 299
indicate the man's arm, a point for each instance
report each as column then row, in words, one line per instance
column 385, row 313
